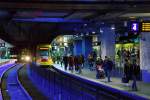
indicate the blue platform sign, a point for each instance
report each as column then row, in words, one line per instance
column 135, row 26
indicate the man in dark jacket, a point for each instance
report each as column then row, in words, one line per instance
column 65, row 60
column 71, row 62
column 80, row 63
column 108, row 65
column 127, row 72
column 82, row 58
column 135, row 71
column 76, row 63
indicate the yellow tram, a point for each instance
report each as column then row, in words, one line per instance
column 43, row 55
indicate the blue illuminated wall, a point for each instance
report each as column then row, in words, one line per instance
column 77, row 50
column 87, row 46
column 146, row 76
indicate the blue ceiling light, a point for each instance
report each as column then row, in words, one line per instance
column 55, row 20
column 113, row 27
column 101, row 31
column 85, row 24
column 93, row 32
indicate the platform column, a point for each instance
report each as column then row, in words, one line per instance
column 86, row 46
column 145, row 56
column 107, row 38
column 77, row 50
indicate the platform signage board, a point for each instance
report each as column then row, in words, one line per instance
column 134, row 26
column 145, row 26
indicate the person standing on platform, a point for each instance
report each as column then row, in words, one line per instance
column 127, row 71
column 82, row 58
column 76, row 63
column 94, row 56
column 80, row 64
column 61, row 61
column 135, row 71
column 65, row 60
column 108, row 65
column 99, row 65
column 90, row 61
column 71, row 63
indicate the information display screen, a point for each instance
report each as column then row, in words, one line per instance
column 145, row 26
column 134, row 26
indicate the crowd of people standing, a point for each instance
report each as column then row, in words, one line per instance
column 130, row 54
column 131, row 71
column 103, row 67
column 73, row 63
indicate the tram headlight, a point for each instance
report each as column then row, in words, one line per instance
column 27, row 58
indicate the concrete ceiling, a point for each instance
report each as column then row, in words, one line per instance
column 30, row 22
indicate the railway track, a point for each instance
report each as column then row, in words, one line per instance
column 11, row 87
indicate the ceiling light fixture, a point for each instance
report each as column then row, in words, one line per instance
column 93, row 32
column 113, row 27
column 101, row 31
column 85, row 24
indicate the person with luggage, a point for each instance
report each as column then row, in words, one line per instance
column 99, row 69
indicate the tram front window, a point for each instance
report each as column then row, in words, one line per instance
column 44, row 53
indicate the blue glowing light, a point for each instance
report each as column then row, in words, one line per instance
column 54, row 20
column 134, row 26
